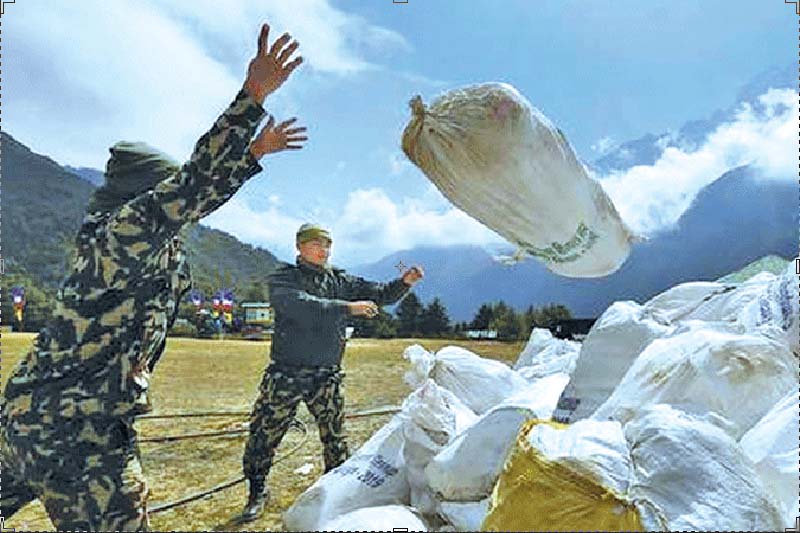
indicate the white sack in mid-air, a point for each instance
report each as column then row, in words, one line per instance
column 500, row 160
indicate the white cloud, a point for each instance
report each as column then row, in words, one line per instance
column 370, row 226
column 603, row 145
column 373, row 225
column 83, row 75
column 651, row 198
column 87, row 74
column 330, row 40
column 269, row 228
column 418, row 79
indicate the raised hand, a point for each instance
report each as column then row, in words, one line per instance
column 413, row 275
column 270, row 67
column 274, row 138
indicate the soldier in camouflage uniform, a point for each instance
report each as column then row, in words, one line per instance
column 67, row 433
column 311, row 300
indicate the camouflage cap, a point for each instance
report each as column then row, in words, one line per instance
column 312, row 231
column 133, row 168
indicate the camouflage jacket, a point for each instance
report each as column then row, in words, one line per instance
column 113, row 311
column 310, row 304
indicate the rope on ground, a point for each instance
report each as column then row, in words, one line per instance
column 193, row 415
column 242, row 413
column 296, row 424
column 186, row 436
column 221, row 433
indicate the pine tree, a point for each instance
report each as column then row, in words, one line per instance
column 409, row 316
column 505, row 322
column 385, row 326
column 435, row 322
column 483, row 317
column 382, row 326
column 552, row 313
column 256, row 292
column 527, row 323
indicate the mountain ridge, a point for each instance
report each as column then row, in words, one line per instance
column 728, row 212
column 44, row 205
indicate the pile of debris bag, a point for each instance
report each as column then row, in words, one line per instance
column 679, row 414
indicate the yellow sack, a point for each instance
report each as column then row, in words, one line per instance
column 534, row 493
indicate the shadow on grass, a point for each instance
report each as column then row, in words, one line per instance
column 237, row 523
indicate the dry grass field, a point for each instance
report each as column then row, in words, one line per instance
column 211, row 375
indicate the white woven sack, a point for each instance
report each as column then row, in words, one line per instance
column 501, row 161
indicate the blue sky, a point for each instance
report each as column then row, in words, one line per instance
column 81, row 75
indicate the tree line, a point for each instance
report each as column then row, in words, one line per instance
column 40, row 298
column 413, row 319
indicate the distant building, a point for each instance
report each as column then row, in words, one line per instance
column 572, row 328
column 257, row 313
column 481, row 334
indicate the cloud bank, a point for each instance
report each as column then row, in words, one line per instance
column 369, row 226
column 83, row 75
column 651, row 198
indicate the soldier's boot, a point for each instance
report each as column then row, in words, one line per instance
column 257, row 499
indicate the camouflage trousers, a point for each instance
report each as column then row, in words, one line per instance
column 86, row 472
column 280, row 393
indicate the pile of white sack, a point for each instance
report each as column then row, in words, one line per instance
column 685, row 409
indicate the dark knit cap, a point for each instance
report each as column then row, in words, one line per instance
column 133, row 168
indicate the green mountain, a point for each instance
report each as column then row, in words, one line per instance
column 771, row 263
column 42, row 206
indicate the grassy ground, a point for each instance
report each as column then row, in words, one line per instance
column 198, row 375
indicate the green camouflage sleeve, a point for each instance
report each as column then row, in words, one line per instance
column 381, row 293
column 220, row 164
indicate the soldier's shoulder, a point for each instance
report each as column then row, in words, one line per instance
column 340, row 273
column 284, row 271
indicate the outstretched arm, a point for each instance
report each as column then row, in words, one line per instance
column 382, row 293
column 223, row 159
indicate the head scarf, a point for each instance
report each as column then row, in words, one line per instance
column 133, row 168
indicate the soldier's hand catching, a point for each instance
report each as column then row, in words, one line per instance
column 363, row 308
column 270, row 67
column 413, row 275
column 274, row 138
